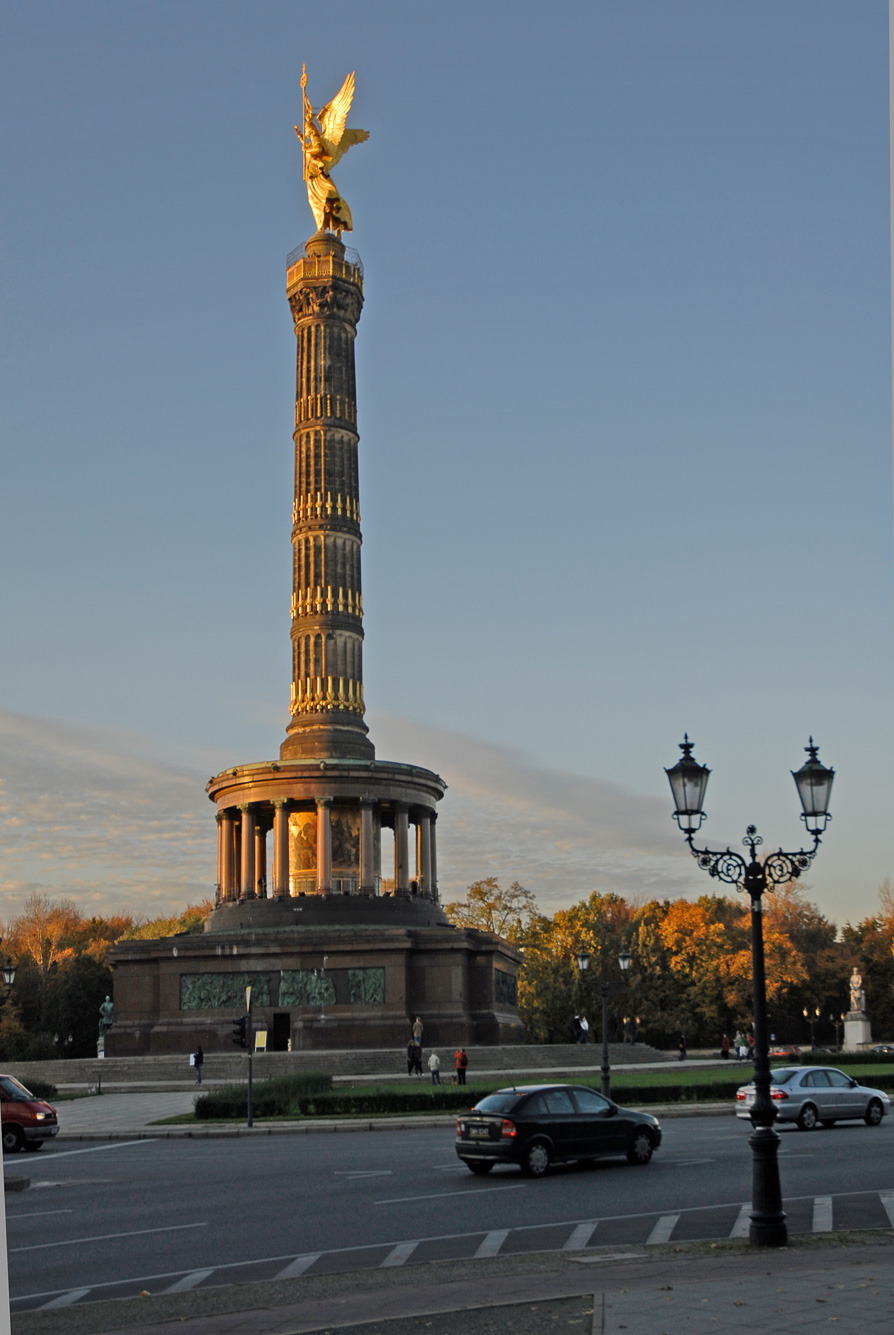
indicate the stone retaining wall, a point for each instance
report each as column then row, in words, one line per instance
column 383, row 1061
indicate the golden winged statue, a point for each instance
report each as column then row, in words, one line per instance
column 324, row 142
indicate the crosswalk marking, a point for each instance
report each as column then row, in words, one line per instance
column 887, row 1200
column 742, row 1226
column 298, row 1266
column 662, row 1230
column 493, row 1242
column 190, row 1281
column 579, row 1238
column 399, row 1254
column 822, row 1214
column 66, row 1299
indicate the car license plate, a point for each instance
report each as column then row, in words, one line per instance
column 479, row 1132
column 749, row 1099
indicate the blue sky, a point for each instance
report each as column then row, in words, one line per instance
column 625, row 413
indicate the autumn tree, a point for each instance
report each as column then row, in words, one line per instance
column 490, row 908
column 44, row 935
column 191, row 921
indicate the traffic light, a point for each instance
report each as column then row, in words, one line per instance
column 239, row 1027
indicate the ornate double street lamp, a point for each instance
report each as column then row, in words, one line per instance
column 811, row 1016
column 583, row 963
column 688, row 781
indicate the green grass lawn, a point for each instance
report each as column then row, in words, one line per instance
column 624, row 1079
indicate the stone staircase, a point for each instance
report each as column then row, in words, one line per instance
column 174, row 1071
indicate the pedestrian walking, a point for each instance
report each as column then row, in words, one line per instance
column 434, row 1065
column 584, row 1030
column 749, row 1046
column 681, row 1048
column 724, row 1047
column 417, row 1031
column 412, row 1050
column 462, row 1061
column 198, row 1059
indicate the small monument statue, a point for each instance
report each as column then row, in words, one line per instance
column 857, row 1030
column 106, row 1015
column 858, row 996
column 324, row 142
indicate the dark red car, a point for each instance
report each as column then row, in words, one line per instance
column 27, row 1122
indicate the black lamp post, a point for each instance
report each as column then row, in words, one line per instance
column 688, row 781
column 8, row 971
column 583, row 963
column 811, row 1016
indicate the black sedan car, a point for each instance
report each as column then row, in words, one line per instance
column 538, row 1125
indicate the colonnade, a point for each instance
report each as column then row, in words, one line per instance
column 242, row 849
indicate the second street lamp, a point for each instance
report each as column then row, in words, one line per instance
column 583, row 964
column 688, row 781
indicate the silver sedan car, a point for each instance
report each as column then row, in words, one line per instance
column 817, row 1095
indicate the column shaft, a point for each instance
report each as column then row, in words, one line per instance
column 324, row 847
column 401, row 851
column 423, row 861
column 247, row 890
column 280, row 850
column 367, row 852
column 260, row 860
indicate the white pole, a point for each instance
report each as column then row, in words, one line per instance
column 5, row 1320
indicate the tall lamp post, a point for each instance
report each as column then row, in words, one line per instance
column 688, row 781
column 583, row 963
column 811, row 1016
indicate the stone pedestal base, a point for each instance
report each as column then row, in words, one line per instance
column 857, row 1031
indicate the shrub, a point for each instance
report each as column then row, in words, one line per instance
column 276, row 1097
column 41, row 1089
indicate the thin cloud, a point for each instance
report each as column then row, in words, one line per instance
column 109, row 820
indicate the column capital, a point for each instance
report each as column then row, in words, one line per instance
column 323, row 802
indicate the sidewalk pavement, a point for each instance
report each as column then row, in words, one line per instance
column 114, row 1116
column 839, row 1283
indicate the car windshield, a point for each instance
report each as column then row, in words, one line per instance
column 496, row 1103
column 783, row 1076
column 13, row 1090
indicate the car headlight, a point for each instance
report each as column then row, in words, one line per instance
column 39, row 1117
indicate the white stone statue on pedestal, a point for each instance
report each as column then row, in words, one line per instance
column 857, row 1031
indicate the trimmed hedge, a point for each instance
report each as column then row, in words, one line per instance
column 41, row 1089
column 280, row 1096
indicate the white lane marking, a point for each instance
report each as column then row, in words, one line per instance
column 66, row 1299
column 591, row 1259
column 105, row 1237
column 190, row 1281
column 399, row 1254
column 94, row 1149
column 742, row 1227
column 459, row 1195
column 36, row 1214
column 298, row 1266
column 579, row 1238
column 684, row 1163
column 492, row 1243
column 370, row 1172
column 662, row 1230
column 822, row 1214
column 887, row 1200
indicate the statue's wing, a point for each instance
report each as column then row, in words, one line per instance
column 335, row 113
column 348, row 140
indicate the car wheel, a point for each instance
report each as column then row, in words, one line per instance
column 536, row 1160
column 828, row 1122
column 13, row 1140
column 807, row 1118
column 34, row 1145
column 640, row 1149
column 479, row 1167
column 874, row 1113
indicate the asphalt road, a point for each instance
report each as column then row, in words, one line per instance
column 112, row 1219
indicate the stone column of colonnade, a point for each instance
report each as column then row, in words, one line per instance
column 325, row 290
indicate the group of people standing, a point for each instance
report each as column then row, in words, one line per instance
column 742, row 1046
column 414, row 1058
